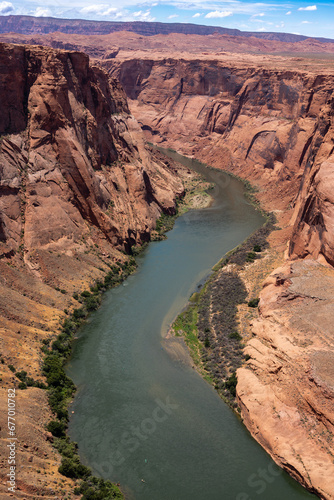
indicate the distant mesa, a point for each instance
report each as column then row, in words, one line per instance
column 29, row 25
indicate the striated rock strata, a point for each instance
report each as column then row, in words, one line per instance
column 256, row 122
column 286, row 389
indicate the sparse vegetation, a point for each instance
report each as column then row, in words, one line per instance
column 61, row 388
column 28, row 381
column 253, row 302
column 209, row 323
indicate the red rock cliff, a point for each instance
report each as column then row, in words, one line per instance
column 72, row 154
column 254, row 121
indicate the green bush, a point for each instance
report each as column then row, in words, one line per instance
column 22, row 375
column 253, row 303
column 78, row 314
column 71, row 467
column 65, row 447
column 92, row 303
column 257, row 248
column 251, row 256
column 235, row 336
column 56, row 428
column 11, row 367
column 231, row 384
column 99, row 489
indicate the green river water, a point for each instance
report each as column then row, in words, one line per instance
column 142, row 417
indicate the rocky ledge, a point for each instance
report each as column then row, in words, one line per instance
column 286, row 389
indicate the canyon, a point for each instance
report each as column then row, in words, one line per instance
column 79, row 186
column 271, row 124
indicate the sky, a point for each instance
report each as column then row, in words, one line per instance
column 296, row 16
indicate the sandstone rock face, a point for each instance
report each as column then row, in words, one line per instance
column 252, row 121
column 286, row 390
column 313, row 230
column 71, row 154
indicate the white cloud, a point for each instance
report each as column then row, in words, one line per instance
column 218, row 13
column 172, row 16
column 306, row 22
column 310, row 7
column 261, row 29
column 143, row 16
column 6, row 8
column 259, row 15
column 288, row 13
column 41, row 12
column 197, row 14
column 101, row 9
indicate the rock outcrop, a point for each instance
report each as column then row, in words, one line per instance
column 313, row 231
column 286, row 389
column 71, row 153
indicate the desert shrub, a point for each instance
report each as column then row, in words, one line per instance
column 231, row 384
column 92, row 303
column 251, row 256
column 78, row 314
column 56, row 428
column 22, row 375
column 71, row 467
column 253, row 302
column 99, row 489
column 235, row 336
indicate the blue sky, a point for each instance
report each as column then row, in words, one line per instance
column 296, row 16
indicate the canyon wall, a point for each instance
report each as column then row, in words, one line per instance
column 250, row 120
column 78, row 188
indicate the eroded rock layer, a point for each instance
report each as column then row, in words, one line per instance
column 286, row 388
column 253, row 121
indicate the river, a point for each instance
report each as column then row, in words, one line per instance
column 148, row 420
